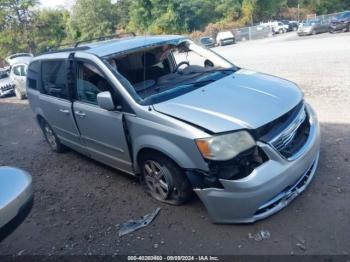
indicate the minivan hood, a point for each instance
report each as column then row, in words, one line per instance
column 243, row 100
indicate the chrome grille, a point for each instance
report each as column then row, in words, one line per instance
column 6, row 87
column 289, row 134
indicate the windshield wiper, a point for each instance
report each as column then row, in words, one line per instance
column 222, row 70
column 200, row 83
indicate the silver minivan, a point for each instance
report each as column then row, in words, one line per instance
column 183, row 119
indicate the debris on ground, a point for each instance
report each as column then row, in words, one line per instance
column 301, row 246
column 260, row 235
column 135, row 224
column 21, row 252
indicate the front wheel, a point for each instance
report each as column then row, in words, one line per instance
column 164, row 180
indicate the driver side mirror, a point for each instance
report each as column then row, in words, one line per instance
column 105, row 100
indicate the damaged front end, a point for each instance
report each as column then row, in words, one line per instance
column 262, row 180
column 237, row 168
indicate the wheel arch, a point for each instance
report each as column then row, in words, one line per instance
column 162, row 146
column 39, row 116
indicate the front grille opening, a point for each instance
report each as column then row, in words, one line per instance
column 288, row 190
column 239, row 167
column 267, row 208
column 297, row 142
column 268, row 131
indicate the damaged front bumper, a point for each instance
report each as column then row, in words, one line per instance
column 269, row 188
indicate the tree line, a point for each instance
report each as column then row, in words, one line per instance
column 25, row 27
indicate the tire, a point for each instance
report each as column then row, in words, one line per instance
column 280, row 31
column 347, row 28
column 18, row 94
column 164, row 180
column 51, row 138
column 313, row 32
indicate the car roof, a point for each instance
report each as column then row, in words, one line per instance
column 19, row 58
column 120, row 45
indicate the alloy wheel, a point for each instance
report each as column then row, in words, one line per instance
column 158, row 179
column 50, row 136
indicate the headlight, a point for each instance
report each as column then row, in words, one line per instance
column 225, row 147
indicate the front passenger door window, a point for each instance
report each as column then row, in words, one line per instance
column 90, row 82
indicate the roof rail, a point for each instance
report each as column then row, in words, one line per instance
column 69, row 49
column 108, row 37
column 76, row 47
column 56, row 48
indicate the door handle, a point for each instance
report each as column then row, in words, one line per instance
column 80, row 114
column 65, row 111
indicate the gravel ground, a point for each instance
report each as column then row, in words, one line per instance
column 79, row 203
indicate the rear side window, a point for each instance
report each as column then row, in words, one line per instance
column 54, row 78
column 33, row 75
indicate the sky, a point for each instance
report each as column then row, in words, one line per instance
column 59, row 3
column 56, row 3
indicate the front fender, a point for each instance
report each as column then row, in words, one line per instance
column 164, row 146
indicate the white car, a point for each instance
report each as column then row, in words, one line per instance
column 225, row 38
column 19, row 64
column 279, row 28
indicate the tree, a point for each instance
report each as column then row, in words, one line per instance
column 228, row 10
column 269, row 9
column 91, row 19
column 140, row 15
column 331, row 6
column 15, row 20
column 248, row 10
column 170, row 16
column 49, row 28
column 122, row 11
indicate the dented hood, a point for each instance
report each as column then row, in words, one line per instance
column 243, row 100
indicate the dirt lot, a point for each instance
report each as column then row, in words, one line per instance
column 79, row 202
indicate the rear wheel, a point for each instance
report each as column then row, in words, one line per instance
column 51, row 138
column 164, row 180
